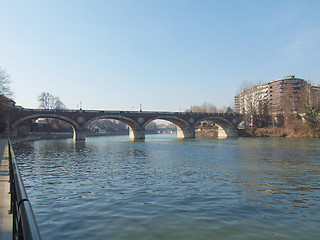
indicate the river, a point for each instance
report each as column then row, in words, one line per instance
column 164, row 188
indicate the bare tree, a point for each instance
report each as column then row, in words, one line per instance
column 229, row 110
column 58, row 104
column 6, row 104
column 4, row 84
column 301, row 111
column 48, row 101
column 254, row 104
column 250, row 107
column 245, row 85
column 309, row 107
column 204, row 108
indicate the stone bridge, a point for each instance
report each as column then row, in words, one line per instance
column 136, row 120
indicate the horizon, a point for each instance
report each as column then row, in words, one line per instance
column 164, row 55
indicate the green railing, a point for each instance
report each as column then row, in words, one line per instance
column 24, row 222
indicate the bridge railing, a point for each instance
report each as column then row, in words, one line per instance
column 118, row 112
column 24, row 222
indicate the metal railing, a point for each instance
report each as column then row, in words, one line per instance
column 24, row 222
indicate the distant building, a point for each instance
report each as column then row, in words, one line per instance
column 281, row 90
column 274, row 94
column 7, row 102
column 236, row 104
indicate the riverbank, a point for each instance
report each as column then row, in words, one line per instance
column 298, row 132
column 207, row 133
column 262, row 132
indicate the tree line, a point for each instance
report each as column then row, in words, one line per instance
column 209, row 108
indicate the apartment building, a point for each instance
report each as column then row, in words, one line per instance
column 283, row 90
column 251, row 99
column 275, row 94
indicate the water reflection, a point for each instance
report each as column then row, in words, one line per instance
column 285, row 177
column 79, row 146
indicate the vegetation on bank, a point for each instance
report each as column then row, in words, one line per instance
column 298, row 131
column 6, row 103
column 299, row 119
column 295, row 114
column 276, row 132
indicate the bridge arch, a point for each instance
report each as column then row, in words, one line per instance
column 74, row 124
column 184, row 129
column 225, row 127
column 175, row 120
column 135, row 131
column 130, row 122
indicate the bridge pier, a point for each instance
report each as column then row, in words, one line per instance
column 232, row 132
column 227, row 132
column 185, row 133
column 79, row 134
column 137, row 133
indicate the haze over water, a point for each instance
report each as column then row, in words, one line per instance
column 163, row 188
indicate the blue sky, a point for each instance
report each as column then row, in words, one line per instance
column 165, row 55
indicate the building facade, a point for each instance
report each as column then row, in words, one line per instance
column 251, row 99
column 274, row 94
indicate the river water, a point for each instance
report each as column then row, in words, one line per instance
column 164, row 188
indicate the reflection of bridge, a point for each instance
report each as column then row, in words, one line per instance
column 137, row 121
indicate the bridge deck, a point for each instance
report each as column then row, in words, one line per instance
column 5, row 217
column 30, row 110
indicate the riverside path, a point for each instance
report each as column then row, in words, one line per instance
column 5, row 217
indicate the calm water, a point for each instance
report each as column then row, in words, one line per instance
column 163, row 188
